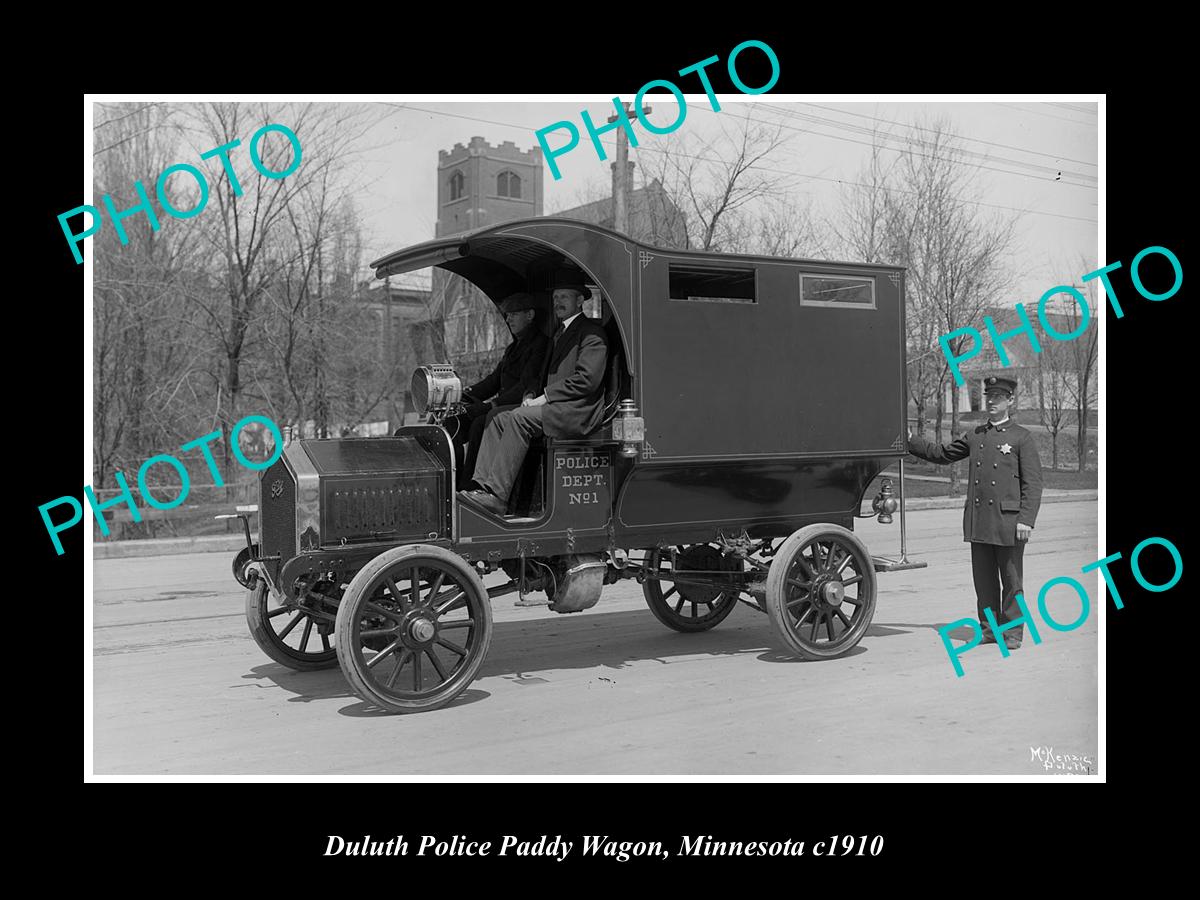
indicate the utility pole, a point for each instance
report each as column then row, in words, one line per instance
column 620, row 184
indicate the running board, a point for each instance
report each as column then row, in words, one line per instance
column 887, row 564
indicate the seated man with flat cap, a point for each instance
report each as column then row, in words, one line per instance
column 569, row 402
column 517, row 375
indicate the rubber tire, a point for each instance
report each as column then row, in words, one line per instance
column 347, row 612
column 776, row 595
column 264, row 635
column 665, row 613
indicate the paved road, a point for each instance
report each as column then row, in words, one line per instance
column 180, row 688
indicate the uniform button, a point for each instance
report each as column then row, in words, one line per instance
column 980, row 464
column 977, row 481
column 981, row 446
column 993, row 484
column 976, row 499
column 994, row 465
column 989, row 503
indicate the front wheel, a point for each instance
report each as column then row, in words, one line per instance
column 413, row 628
column 821, row 591
column 294, row 636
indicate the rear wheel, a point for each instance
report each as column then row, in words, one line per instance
column 821, row 591
column 413, row 629
column 295, row 636
column 691, row 605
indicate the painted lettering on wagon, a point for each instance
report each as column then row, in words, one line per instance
column 582, row 472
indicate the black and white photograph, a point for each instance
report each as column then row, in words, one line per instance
column 718, row 433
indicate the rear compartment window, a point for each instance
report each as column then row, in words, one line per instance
column 835, row 290
column 712, row 285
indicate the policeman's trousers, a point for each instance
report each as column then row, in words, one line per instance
column 997, row 571
column 505, row 443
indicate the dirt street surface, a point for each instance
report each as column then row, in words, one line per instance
column 180, row 687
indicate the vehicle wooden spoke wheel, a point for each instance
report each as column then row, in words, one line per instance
column 413, row 628
column 701, row 601
column 299, row 636
column 821, row 591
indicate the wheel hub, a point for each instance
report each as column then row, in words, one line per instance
column 829, row 591
column 420, row 629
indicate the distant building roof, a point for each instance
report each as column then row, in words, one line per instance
column 653, row 216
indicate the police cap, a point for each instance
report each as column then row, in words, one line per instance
column 999, row 383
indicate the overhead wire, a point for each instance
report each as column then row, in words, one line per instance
column 813, row 177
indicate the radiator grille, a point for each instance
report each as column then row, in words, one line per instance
column 410, row 505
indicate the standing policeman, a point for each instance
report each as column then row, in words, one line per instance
column 1004, row 492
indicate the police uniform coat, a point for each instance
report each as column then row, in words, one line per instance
column 1004, row 484
column 518, row 371
column 574, row 380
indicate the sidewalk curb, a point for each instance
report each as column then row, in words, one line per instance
column 232, row 543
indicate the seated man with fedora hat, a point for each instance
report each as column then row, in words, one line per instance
column 516, row 376
column 568, row 402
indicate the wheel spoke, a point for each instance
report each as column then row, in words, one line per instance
column 436, row 586
column 457, row 601
column 832, row 558
column 417, row 672
column 808, row 612
column 813, row 634
column 695, row 610
column 798, row 601
column 851, row 581
column 397, row 594
column 278, row 612
column 845, row 562
column 679, row 605
column 457, row 623
column 324, row 641
column 803, row 563
column 853, row 601
column 415, row 578
column 400, row 661
column 380, row 611
column 290, row 625
column 829, row 626
column 451, row 646
column 378, row 632
column 384, row 653
column 437, row 664
column 797, row 583
column 308, row 623
column 841, row 615
column 667, row 595
column 816, row 552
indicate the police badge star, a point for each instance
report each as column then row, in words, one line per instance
column 1005, row 448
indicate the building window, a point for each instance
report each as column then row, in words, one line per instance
column 711, row 285
column 508, row 184
column 456, row 185
column 833, row 290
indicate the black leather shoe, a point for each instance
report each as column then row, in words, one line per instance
column 988, row 638
column 489, row 502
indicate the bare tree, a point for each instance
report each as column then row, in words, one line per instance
column 920, row 212
column 1054, row 365
column 1083, row 351
column 250, row 230
column 712, row 182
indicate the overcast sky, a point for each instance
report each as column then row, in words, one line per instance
column 1020, row 149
